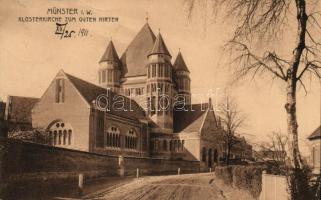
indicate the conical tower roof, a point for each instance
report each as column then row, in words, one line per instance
column 134, row 59
column 110, row 53
column 179, row 64
column 159, row 46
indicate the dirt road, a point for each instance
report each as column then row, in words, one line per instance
column 184, row 187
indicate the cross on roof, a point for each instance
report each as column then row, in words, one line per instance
column 146, row 17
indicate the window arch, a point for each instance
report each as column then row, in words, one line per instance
column 112, row 137
column 131, row 139
column 60, row 133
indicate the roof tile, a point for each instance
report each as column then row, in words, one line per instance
column 190, row 120
column 110, row 53
column 91, row 91
column 179, row 64
column 134, row 59
column 159, row 46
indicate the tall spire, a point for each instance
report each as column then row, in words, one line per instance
column 179, row 64
column 110, row 53
column 159, row 46
column 146, row 18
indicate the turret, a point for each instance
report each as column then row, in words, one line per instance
column 182, row 79
column 159, row 86
column 109, row 71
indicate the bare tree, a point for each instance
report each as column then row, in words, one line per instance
column 232, row 120
column 262, row 21
column 275, row 148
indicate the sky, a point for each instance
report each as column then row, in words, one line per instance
column 31, row 55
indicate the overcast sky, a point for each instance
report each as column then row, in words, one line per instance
column 31, row 55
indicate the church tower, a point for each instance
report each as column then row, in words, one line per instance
column 109, row 71
column 159, row 87
column 182, row 79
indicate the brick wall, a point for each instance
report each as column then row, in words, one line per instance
column 24, row 163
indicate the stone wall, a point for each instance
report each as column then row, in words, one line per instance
column 29, row 164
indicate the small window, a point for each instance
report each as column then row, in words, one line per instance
column 103, row 73
column 153, row 70
column 60, row 90
column 109, row 76
column 127, row 92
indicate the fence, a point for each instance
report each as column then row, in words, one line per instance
column 274, row 187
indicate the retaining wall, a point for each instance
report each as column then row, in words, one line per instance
column 25, row 165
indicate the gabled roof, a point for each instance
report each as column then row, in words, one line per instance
column 19, row 108
column 159, row 46
column 190, row 120
column 316, row 134
column 134, row 59
column 179, row 64
column 110, row 53
column 90, row 92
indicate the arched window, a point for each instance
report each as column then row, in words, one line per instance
column 204, row 154
column 50, row 137
column 183, row 142
column 215, row 156
column 131, row 139
column 210, row 157
column 176, row 145
column 164, row 145
column 65, row 137
column 55, row 138
column 153, row 70
column 59, row 133
column 59, row 137
column 69, row 136
column 112, row 137
column 171, row 145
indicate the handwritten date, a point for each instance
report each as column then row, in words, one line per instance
column 64, row 32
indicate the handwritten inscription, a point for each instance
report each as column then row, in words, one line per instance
column 64, row 18
column 61, row 29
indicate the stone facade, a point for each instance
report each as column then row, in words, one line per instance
column 149, row 124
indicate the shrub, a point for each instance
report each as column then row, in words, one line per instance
column 35, row 135
column 243, row 177
column 225, row 173
column 248, row 178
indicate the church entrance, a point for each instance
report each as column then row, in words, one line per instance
column 210, row 157
column 215, row 156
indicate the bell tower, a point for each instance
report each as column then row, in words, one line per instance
column 159, row 87
column 109, row 70
column 183, row 80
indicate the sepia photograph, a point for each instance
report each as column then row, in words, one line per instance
column 160, row 99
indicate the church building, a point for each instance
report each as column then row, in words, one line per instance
column 147, row 83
